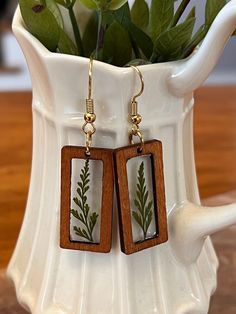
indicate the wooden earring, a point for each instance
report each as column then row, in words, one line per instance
column 86, row 223
column 140, row 188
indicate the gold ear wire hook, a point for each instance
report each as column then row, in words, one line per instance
column 135, row 117
column 142, row 83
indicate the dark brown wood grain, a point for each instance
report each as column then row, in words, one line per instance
column 106, row 156
column 122, row 155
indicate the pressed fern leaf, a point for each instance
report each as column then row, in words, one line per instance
column 84, row 214
column 143, row 214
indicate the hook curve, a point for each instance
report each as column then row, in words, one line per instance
column 141, row 80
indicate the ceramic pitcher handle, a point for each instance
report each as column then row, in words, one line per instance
column 190, row 224
column 189, row 75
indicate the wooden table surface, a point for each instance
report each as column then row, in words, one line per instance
column 215, row 143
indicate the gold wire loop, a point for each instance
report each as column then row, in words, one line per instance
column 142, row 83
column 88, row 142
column 91, row 130
column 139, row 134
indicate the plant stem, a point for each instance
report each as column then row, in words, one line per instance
column 1, row 52
column 76, row 31
column 86, row 221
column 101, row 34
column 135, row 48
column 143, row 223
column 144, row 234
column 183, row 5
column 153, row 57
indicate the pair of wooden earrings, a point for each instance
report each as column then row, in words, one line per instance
column 87, row 205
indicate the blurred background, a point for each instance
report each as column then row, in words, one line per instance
column 13, row 69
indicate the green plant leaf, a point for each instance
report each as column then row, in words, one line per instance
column 192, row 13
column 79, row 191
column 66, row 45
column 85, row 234
column 86, row 210
column 179, row 12
column 148, row 220
column 103, row 5
column 81, row 218
column 86, row 189
column 40, row 22
column 75, row 199
column 138, row 205
column 75, row 213
column 89, row 39
column 93, row 221
column 140, row 14
column 86, row 181
column 145, row 197
column 195, row 41
column 90, row 4
column 137, row 218
column 170, row 44
column 65, row 3
column 137, row 62
column 116, row 4
column 143, row 41
column 52, row 6
column 62, row 2
column 213, row 7
column 161, row 15
column 148, row 207
column 117, row 46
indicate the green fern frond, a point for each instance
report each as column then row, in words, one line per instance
column 83, row 215
column 143, row 214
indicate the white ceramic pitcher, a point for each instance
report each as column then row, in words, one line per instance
column 177, row 277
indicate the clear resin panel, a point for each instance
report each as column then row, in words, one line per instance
column 141, row 197
column 86, row 199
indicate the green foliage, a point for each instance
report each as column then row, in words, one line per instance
column 89, row 39
column 167, row 45
column 88, row 219
column 212, row 9
column 103, row 5
column 66, row 45
column 140, row 14
column 66, row 3
column 120, row 36
column 52, row 6
column 161, row 15
column 44, row 20
column 142, row 40
column 144, row 213
column 179, row 12
column 117, row 46
column 41, row 22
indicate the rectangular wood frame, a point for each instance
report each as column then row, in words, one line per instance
column 106, row 156
column 122, row 155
